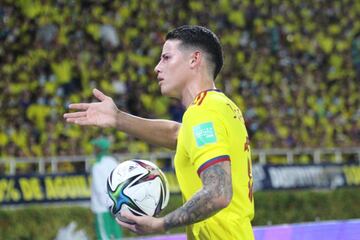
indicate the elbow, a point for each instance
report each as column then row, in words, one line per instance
column 172, row 143
column 174, row 131
column 223, row 200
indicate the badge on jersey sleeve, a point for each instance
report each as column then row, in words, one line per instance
column 204, row 133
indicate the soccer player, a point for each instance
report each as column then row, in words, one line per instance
column 105, row 225
column 212, row 160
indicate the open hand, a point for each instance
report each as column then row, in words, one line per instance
column 101, row 114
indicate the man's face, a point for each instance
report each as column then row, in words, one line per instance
column 173, row 69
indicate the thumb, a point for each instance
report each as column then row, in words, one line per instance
column 99, row 95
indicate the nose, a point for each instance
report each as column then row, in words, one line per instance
column 157, row 69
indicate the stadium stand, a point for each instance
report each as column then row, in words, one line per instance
column 293, row 67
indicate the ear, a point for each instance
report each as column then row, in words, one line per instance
column 195, row 59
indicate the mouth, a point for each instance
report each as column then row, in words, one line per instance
column 160, row 79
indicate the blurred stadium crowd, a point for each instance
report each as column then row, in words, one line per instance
column 292, row 66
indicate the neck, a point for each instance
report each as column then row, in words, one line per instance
column 194, row 88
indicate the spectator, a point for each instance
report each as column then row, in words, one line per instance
column 298, row 61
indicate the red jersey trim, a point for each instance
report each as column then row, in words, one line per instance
column 212, row 161
column 201, row 96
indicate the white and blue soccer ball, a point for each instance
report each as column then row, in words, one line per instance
column 138, row 186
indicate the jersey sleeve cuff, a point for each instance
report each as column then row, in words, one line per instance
column 211, row 162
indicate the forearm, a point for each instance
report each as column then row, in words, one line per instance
column 214, row 196
column 198, row 208
column 154, row 131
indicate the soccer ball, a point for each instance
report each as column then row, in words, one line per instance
column 138, row 186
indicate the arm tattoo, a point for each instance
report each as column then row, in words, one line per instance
column 205, row 203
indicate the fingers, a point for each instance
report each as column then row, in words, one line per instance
column 99, row 95
column 128, row 215
column 84, row 106
column 70, row 120
column 77, row 118
column 130, row 218
column 75, row 115
column 79, row 106
column 80, row 121
column 131, row 227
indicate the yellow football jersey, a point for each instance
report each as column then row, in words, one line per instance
column 213, row 130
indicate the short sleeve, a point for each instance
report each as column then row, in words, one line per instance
column 206, row 138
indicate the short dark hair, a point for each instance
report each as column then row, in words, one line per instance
column 203, row 38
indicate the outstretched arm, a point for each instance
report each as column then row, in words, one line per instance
column 215, row 195
column 105, row 114
column 155, row 131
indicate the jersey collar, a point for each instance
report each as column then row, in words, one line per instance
column 201, row 95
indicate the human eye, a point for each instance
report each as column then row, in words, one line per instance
column 165, row 57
